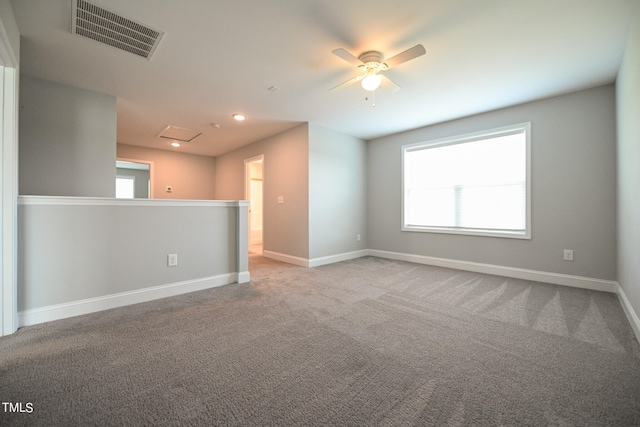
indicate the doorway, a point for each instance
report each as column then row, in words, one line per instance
column 134, row 179
column 254, row 186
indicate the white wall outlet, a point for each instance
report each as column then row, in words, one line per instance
column 280, row 199
column 172, row 260
column 358, row 237
column 568, row 254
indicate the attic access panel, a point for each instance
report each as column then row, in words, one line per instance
column 99, row 24
column 179, row 134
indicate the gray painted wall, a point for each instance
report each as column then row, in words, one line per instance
column 74, row 252
column 67, row 140
column 628, row 110
column 573, row 186
column 189, row 175
column 11, row 27
column 286, row 172
column 337, row 192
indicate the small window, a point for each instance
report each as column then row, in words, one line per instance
column 476, row 184
column 125, row 187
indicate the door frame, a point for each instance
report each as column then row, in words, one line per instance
column 9, row 76
column 151, row 168
column 247, row 189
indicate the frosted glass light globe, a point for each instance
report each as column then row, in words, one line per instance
column 371, row 82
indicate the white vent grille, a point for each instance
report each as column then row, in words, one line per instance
column 99, row 24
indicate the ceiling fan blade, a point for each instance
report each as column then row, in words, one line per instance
column 407, row 55
column 347, row 56
column 394, row 86
column 355, row 79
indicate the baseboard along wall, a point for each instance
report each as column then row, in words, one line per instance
column 629, row 311
column 92, row 305
column 499, row 270
column 314, row 262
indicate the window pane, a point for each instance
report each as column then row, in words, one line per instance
column 471, row 183
column 420, row 211
column 493, row 207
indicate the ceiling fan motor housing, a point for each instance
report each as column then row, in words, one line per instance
column 371, row 56
column 372, row 62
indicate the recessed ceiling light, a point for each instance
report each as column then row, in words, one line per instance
column 175, row 144
column 216, row 125
column 239, row 117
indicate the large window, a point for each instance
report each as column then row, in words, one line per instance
column 472, row 184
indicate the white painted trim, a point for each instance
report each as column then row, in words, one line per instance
column 629, row 311
column 317, row 262
column 247, row 195
column 314, row 262
column 9, row 79
column 466, row 138
column 92, row 305
column 244, row 277
column 302, row 262
column 104, row 201
column 499, row 270
column 151, row 171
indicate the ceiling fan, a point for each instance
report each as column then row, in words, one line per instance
column 373, row 66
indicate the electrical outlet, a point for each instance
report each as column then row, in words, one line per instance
column 358, row 237
column 172, row 260
column 568, row 254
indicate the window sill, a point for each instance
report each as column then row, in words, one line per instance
column 469, row 232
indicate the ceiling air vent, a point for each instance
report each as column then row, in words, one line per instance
column 99, row 24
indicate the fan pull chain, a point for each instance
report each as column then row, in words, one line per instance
column 373, row 96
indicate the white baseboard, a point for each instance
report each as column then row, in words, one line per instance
column 92, row 305
column 244, row 277
column 629, row 311
column 498, row 270
column 317, row 262
column 302, row 262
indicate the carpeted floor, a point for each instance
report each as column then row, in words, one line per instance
column 367, row 342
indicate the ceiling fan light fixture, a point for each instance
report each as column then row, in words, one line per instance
column 371, row 82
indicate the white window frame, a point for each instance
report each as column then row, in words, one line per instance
column 467, row 138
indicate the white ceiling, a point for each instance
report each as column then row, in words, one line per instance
column 220, row 57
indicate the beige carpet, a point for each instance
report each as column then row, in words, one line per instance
column 368, row 342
